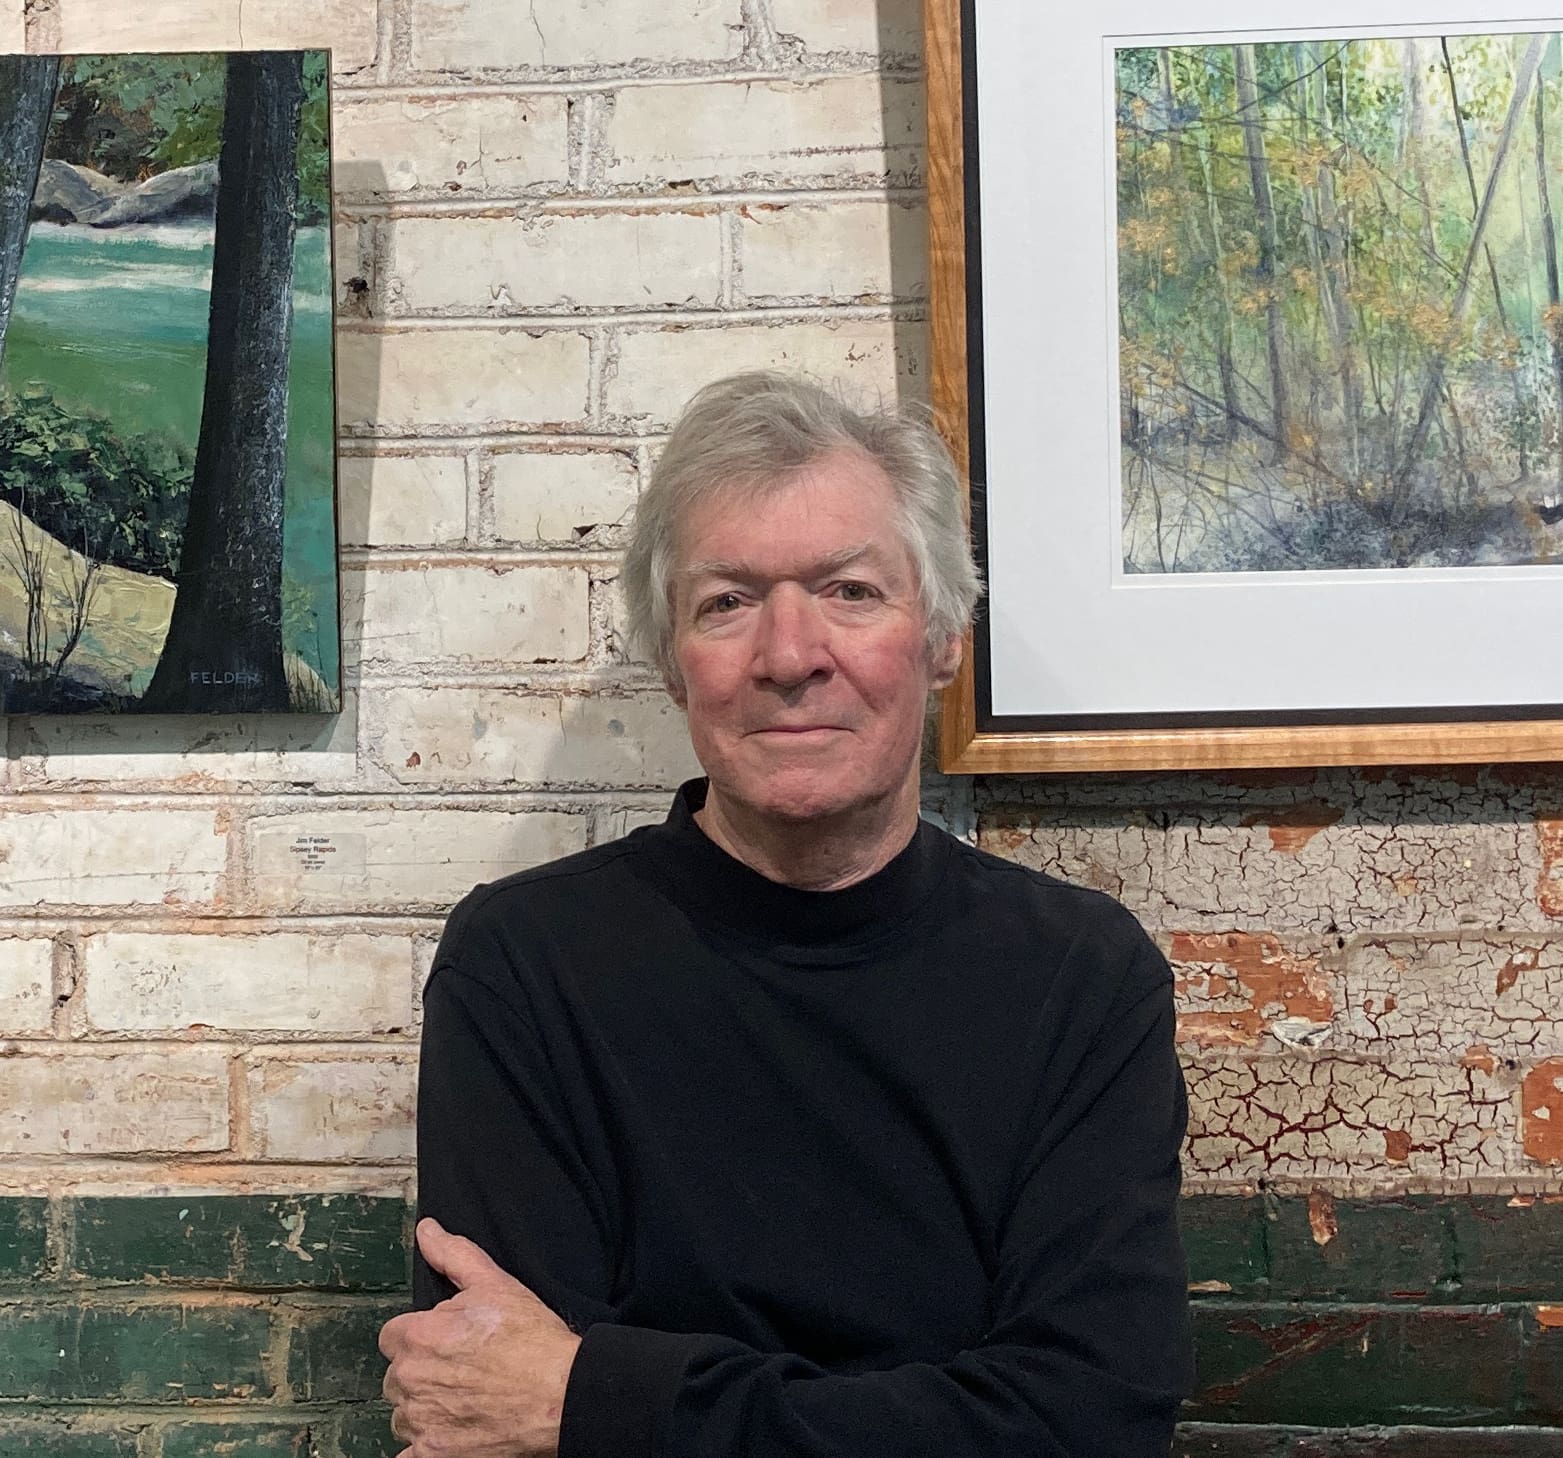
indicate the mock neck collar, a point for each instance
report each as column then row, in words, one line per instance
column 721, row 889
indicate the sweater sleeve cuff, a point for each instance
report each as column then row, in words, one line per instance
column 621, row 1386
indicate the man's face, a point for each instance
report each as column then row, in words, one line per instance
column 801, row 644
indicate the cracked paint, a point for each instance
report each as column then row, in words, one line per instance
column 1234, row 988
column 1296, row 1117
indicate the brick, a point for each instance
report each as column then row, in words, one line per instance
column 288, row 981
column 188, row 751
column 474, row 146
column 1475, row 997
column 93, row 857
column 1239, row 989
column 555, row 262
column 12, row 29
column 1542, row 1112
column 24, row 1239
column 1505, row 1248
column 823, row 26
column 829, row 130
column 1549, row 881
column 1393, row 865
column 397, row 859
column 1344, row 1365
column 328, row 1109
column 56, row 1437
column 347, row 27
column 1276, row 1440
column 132, row 1102
column 26, row 982
column 333, row 1356
column 145, row 1353
column 658, row 370
column 238, row 1440
column 364, row 1431
column 1298, row 1118
column 837, row 252
column 485, row 612
column 1326, row 1249
column 498, row 737
column 328, row 1242
column 1224, row 1241
column 558, row 496
column 396, row 500
column 455, row 35
column 463, row 377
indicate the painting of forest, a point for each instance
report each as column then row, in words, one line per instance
column 167, row 502
column 1340, row 325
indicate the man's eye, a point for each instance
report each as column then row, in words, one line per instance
column 723, row 602
column 856, row 591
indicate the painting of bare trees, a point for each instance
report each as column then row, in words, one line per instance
column 1340, row 323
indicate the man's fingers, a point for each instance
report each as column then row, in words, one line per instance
column 463, row 1263
column 393, row 1334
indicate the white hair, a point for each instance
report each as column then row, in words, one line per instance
column 754, row 432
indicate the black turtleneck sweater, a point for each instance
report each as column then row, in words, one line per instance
column 890, row 1170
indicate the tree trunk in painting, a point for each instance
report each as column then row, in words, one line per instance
column 1433, row 388
column 1264, row 213
column 27, row 85
column 1554, row 314
column 224, row 647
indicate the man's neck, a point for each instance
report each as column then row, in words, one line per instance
column 813, row 855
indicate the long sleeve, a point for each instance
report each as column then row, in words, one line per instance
column 1087, row 1350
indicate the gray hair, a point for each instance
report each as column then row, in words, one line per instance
column 755, row 431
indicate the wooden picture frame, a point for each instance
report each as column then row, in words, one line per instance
column 971, row 738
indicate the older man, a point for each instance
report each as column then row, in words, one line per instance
column 794, row 1126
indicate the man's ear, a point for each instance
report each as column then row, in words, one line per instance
column 945, row 662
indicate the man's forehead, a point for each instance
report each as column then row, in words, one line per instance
column 817, row 564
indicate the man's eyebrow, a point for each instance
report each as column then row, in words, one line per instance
column 819, row 567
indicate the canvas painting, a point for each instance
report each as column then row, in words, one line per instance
column 167, row 502
column 1340, row 321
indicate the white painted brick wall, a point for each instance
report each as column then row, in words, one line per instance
column 411, row 612
column 409, row 379
column 551, row 496
column 556, row 261
column 457, row 35
column 557, row 222
column 320, row 1108
column 403, row 499
column 132, row 1101
column 322, row 983
column 396, row 858
column 98, row 857
column 440, row 146
column 26, row 975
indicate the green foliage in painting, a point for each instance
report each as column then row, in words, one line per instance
column 122, row 502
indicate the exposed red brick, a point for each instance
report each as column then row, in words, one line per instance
column 1549, row 1318
column 1321, row 1218
column 1292, row 829
column 1397, row 1145
column 1549, row 885
column 1541, row 1111
column 1274, row 983
column 1476, row 1056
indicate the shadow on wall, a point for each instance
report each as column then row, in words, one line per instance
column 900, row 23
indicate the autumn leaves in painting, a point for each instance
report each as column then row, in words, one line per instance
column 1340, row 325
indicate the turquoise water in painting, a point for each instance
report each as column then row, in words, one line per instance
column 113, row 322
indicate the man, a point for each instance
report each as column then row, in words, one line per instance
column 794, row 1126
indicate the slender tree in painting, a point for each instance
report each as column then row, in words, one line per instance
column 27, row 86
column 224, row 647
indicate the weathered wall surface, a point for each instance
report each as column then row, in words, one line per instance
column 554, row 221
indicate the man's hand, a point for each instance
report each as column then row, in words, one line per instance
column 483, row 1374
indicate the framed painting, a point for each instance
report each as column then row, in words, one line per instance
column 1249, row 330
column 167, row 425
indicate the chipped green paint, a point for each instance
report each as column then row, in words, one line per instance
column 23, row 1240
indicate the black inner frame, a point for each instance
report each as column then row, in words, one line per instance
column 987, row 721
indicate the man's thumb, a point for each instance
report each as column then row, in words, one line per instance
column 459, row 1260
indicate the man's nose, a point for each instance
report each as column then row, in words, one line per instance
column 791, row 644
